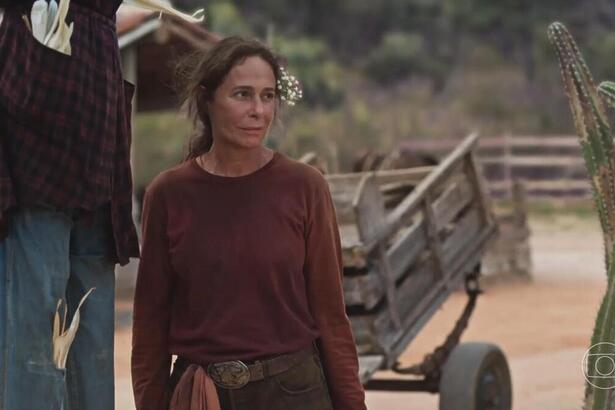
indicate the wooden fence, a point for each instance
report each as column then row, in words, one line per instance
column 550, row 167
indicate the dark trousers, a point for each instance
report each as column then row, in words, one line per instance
column 302, row 387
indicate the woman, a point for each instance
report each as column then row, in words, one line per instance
column 240, row 275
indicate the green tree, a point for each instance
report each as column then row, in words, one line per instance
column 223, row 17
column 398, row 56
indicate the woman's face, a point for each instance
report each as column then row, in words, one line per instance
column 244, row 105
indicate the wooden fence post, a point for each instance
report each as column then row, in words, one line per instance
column 508, row 175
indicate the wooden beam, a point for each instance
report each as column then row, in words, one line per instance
column 460, row 238
column 551, row 141
column 433, row 238
column 545, row 161
column 438, row 294
column 375, row 332
column 368, row 205
column 381, row 177
column 455, row 197
column 415, row 199
column 478, row 186
column 308, row 158
column 367, row 290
column 546, row 185
column 368, row 365
column 372, row 331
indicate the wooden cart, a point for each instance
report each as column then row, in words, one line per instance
column 410, row 238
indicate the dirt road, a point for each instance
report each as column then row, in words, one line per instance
column 543, row 326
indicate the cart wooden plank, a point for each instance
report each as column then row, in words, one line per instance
column 438, row 295
column 413, row 201
column 368, row 365
column 394, row 185
column 409, row 238
column 366, row 290
column 456, row 197
column 350, row 181
column 446, row 207
column 372, row 330
column 415, row 288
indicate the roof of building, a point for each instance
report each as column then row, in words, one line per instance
column 134, row 23
column 128, row 18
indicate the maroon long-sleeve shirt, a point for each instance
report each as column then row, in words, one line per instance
column 240, row 268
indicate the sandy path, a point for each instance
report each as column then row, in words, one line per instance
column 543, row 326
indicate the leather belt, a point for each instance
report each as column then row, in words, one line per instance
column 236, row 374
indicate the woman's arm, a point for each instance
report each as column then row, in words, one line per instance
column 323, row 273
column 151, row 360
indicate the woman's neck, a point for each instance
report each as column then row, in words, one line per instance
column 233, row 162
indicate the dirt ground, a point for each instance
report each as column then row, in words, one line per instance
column 543, row 326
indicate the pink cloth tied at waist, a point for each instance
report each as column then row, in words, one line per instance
column 195, row 391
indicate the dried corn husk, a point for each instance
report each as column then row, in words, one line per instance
column 38, row 17
column 25, row 19
column 162, row 7
column 60, row 41
column 51, row 14
column 62, row 340
column 56, row 20
column 59, row 36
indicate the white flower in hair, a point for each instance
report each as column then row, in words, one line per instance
column 289, row 87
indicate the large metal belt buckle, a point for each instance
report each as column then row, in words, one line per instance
column 229, row 375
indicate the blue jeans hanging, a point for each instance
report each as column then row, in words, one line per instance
column 51, row 254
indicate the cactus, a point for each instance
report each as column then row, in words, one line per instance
column 607, row 91
column 594, row 130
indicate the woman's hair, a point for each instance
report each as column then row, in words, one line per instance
column 200, row 74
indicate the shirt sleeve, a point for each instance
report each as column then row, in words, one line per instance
column 323, row 273
column 151, row 360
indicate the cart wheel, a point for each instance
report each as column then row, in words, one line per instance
column 476, row 377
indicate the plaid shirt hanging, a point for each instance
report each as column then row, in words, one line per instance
column 65, row 120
